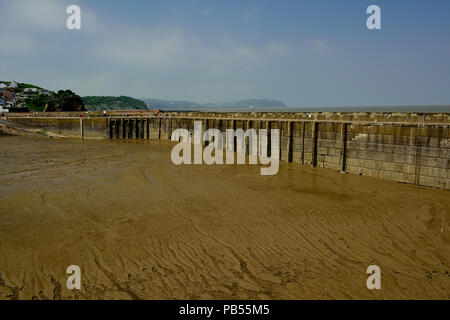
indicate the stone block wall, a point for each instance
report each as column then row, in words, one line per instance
column 407, row 148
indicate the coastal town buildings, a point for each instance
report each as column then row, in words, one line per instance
column 30, row 91
column 8, row 95
column 22, row 97
column 3, row 106
column 12, row 85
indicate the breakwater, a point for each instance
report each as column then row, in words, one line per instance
column 404, row 147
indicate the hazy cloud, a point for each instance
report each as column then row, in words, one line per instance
column 140, row 47
column 15, row 44
column 318, row 45
column 42, row 15
column 247, row 16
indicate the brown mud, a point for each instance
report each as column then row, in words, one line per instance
column 140, row 227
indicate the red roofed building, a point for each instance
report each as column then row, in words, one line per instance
column 7, row 94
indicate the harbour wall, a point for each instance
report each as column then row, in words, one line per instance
column 407, row 148
column 72, row 127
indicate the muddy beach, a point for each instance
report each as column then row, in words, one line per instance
column 141, row 227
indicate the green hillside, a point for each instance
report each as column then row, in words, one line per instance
column 113, row 103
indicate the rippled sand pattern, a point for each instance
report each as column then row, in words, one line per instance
column 142, row 228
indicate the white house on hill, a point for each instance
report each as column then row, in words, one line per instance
column 13, row 85
column 2, row 85
column 27, row 91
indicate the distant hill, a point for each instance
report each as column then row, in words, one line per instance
column 189, row 105
column 171, row 104
column 113, row 103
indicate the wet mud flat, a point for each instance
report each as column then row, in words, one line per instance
column 141, row 227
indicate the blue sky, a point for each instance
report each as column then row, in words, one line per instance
column 304, row 53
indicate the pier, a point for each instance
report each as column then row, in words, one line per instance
column 411, row 148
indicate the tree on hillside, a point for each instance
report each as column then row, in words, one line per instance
column 64, row 100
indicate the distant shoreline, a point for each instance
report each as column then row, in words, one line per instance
column 384, row 109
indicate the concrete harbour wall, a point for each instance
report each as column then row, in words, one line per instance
column 408, row 148
column 88, row 128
